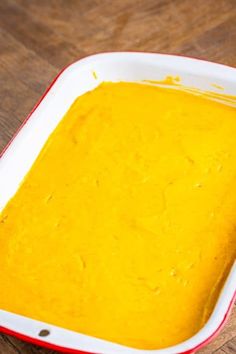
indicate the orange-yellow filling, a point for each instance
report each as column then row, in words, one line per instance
column 125, row 226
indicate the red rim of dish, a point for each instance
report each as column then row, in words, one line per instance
column 42, row 343
column 47, row 345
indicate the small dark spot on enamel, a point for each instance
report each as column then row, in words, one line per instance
column 44, row 333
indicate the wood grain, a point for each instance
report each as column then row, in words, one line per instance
column 38, row 38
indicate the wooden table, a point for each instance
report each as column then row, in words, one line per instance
column 38, row 38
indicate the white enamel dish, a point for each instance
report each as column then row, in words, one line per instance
column 18, row 157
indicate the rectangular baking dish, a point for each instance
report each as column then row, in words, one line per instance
column 19, row 155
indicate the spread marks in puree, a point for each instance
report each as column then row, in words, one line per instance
column 125, row 226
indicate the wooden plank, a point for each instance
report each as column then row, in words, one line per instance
column 7, row 347
column 219, row 351
column 215, row 44
column 230, row 346
column 23, row 78
column 36, row 36
column 65, row 32
column 11, row 345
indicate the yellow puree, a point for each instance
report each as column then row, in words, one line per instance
column 124, row 228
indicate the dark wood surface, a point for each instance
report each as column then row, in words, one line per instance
column 38, row 38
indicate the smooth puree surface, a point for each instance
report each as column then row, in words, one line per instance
column 125, row 227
